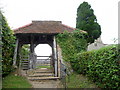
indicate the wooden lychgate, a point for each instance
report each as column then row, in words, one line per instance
column 38, row 32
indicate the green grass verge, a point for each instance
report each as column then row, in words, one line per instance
column 12, row 81
column 79, row 81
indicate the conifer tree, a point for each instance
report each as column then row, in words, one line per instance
column 87, row 21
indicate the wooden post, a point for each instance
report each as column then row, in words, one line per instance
column 32, row 53
column 55, row 56
column 19, row 52
column 15, row 53
column 51, row 58
column 59, row 59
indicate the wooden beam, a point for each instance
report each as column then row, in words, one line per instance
column 15, row 52
column 44, row 56
column 44, row 59
column 55, row 57
column 19, row 52
column 52, row 58
column 32, row 55
column 32, row 44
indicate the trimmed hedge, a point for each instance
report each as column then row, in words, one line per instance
column 101, row 66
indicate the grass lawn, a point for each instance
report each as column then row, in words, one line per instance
column 12, row 81
column 79, row 81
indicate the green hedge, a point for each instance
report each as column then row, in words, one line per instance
column 8, row 44
column 101, row 66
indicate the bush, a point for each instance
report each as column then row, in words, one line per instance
column 101, row 66
column 72, row 43
column 8, row 44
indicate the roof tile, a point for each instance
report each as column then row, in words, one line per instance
column 51, row 27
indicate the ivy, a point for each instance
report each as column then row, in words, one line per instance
column 8, row 44
column 72, row 43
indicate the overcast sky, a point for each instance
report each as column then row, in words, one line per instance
column 22, row 12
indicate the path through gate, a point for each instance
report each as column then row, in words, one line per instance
column 43, row 61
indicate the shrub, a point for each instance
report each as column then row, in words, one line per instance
column 101, row 66
column 8, row 43
column 72, row 43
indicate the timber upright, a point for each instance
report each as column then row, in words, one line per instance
column 38, row 32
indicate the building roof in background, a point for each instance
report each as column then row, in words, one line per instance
column 49, row 27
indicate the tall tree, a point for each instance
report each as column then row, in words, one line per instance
column 86, row 20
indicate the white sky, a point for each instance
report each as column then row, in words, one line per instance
column 22, row 12
column 43, row 50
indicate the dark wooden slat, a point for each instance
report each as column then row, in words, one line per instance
column 25, row 68
column 43, row 56
column 44, row 59
column 26, row 64
column 24, row 56
column 25, row 59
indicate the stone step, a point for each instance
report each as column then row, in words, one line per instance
column 42, row 78
column 41, row 75
column 43, row 70
column 40, row 71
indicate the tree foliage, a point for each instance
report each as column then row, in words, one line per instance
column 8, row 43
column 87, row 21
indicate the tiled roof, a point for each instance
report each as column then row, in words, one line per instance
column 50, row 27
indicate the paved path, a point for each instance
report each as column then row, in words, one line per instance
column 41, row 73
column 46, row 84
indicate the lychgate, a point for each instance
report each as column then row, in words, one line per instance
column 39, row 32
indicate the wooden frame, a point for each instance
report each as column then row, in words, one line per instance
column 55, row 56
column 15, row 53
column 34, row 40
